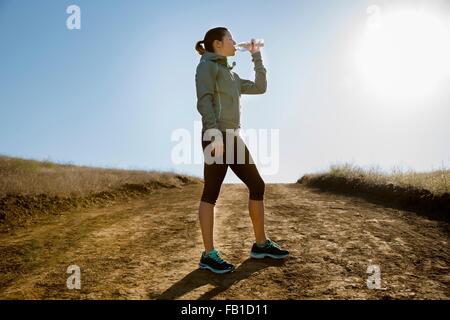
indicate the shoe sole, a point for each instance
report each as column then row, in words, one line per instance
column 204, row 266
column 267, row 255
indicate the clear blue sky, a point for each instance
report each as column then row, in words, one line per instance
column 112, row 93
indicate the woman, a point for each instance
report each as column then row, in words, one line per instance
column 218, row 94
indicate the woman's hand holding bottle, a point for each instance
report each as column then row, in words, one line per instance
column 254, row 45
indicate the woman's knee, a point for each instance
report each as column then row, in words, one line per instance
column 208, row 200
column 257, row 190
column 210, row 195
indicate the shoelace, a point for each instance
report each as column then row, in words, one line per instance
column 270, row 243
column 216, row 257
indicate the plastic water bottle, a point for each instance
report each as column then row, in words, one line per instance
column 244, row 46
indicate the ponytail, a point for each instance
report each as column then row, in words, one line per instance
column 198, row 46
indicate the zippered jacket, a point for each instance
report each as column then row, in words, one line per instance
column 219, row 90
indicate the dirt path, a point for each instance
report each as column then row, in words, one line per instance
column 149, row 249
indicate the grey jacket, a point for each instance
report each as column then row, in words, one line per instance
column 219, row 90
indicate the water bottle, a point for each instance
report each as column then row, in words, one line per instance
column 244, row 46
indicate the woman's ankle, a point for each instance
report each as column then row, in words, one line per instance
column 208, row 251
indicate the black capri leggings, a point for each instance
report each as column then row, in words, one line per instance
column 214, row 173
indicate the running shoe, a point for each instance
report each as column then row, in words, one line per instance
column 270, row 250
column 215, row 263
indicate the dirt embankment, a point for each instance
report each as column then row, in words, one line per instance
column 19, row 210
column 436, row 206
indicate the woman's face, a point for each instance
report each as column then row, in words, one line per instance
column 226, row 47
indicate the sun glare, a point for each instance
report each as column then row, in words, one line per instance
column 405, row 54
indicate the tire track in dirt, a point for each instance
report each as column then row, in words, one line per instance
column 149, row 249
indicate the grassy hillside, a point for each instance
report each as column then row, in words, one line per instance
column 426, row 192
column 30, row 187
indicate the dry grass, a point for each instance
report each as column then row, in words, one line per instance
column 437, row 182
column 30, row 177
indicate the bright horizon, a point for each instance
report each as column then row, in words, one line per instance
column 365, row 82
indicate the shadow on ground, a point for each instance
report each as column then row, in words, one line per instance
column 221, row 282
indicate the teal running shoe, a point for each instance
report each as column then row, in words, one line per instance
column 215, row 263
column 270, row 250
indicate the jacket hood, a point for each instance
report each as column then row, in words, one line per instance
column 211, row 56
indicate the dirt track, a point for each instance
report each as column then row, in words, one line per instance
column 149, row 249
